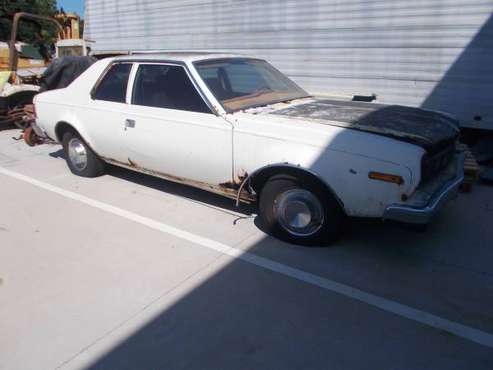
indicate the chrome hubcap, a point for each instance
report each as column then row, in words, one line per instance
column 77, row 154
column 299, row 212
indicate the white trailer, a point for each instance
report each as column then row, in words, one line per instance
column 424, row 53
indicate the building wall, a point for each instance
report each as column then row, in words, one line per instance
column 437, row 54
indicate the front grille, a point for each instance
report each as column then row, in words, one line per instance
column 432, row 165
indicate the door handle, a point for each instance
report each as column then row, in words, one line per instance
column 129, row 123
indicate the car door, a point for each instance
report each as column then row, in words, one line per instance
column 171, row 130
column 103, row 115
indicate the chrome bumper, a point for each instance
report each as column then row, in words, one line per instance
column 422, row 215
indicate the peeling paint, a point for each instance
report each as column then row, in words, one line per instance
column 227, row 189
column 422, row 127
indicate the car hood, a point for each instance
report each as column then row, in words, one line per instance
column 425, row 128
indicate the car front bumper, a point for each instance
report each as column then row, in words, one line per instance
column 422, row 214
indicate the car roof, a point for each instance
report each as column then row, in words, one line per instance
column 177, row 56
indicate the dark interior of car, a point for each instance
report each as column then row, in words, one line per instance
column 167, row 86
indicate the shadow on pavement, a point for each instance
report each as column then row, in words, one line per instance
column 245, row 317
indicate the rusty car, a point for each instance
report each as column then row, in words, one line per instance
column 237, row 126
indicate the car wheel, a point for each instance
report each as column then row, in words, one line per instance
column 81, row 160
column 300, row 212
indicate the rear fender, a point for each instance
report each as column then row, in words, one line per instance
column 72, row 121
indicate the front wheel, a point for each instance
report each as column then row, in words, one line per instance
column 80, row 158
column 300, row 212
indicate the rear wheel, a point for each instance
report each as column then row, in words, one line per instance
column 81, row 160
column 300, row 212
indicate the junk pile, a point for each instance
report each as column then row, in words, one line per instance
column 471, row 169
column 18, row 110
column 13, row 98
column 62, row 71
column 483, row 152
column 59, row 74
column 26, row 68
column 478, row 164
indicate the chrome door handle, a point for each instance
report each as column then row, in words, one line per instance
column 129, row 123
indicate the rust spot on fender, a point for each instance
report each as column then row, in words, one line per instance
column 237, row 181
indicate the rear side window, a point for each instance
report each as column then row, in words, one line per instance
column 166, row 86
column 113, row 86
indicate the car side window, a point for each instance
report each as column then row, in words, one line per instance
column 166, row 86
column 113, row 86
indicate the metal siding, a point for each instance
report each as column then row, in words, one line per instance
column 437, row 54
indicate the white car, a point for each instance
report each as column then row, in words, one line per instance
column 236, row 126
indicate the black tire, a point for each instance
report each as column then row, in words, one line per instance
column 329, row 228
column 93, row 167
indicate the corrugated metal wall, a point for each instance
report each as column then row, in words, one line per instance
column 437, row 54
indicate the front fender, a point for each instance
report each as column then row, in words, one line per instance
column 348, row 175
column 257, row 178
column 345, row 172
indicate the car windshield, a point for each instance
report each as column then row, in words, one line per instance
column 246, row 83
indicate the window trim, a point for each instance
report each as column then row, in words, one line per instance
column 131, row 81
column 103, row 75
column 133, row 74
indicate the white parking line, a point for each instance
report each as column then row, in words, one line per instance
column 463, row 331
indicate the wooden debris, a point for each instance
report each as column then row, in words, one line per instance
column 471, row 169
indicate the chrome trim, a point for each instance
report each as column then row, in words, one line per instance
column 103, row 74
column 177, row 63
column 77, row 154
column 311, row 208
column 133, row 72
column 423, row 215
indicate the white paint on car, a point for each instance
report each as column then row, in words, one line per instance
column 210, row 149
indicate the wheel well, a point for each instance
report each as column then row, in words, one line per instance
column 260, row 178
column 61, row 128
